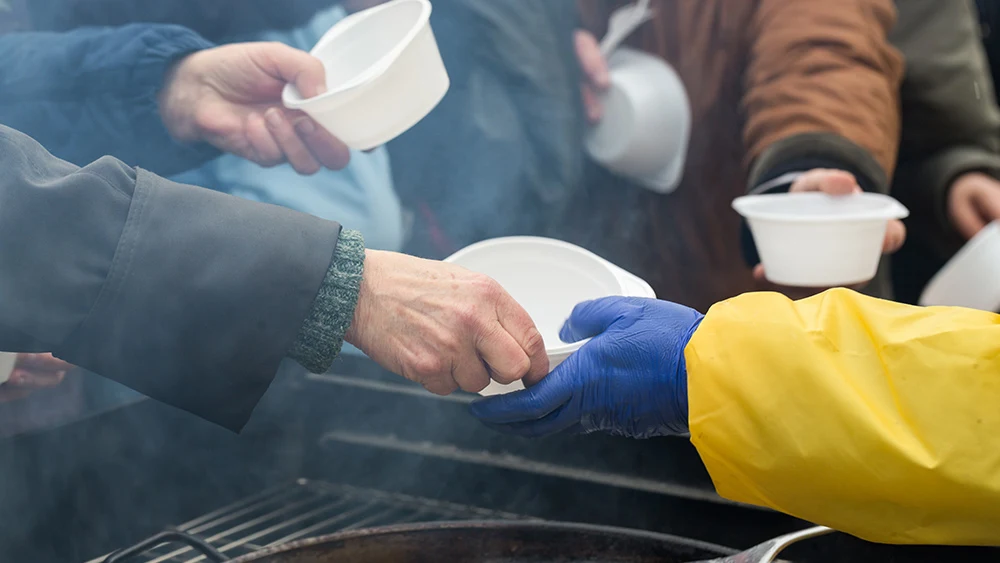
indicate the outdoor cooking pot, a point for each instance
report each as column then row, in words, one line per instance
column 465, row 542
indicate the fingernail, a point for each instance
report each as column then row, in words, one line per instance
column 273, row 117
column 305, row 127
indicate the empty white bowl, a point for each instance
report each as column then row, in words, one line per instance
column 548, row 278
column 384, row 74
column 646, row 124
column 971, row 278
column 7, row 362
column 818, row 240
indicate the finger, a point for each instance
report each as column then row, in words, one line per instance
column 592, row 62
column 289, row 143
column 265, row 150
column 895, row 236
column 531, row 361
column 470, row 374
column 531, row 404
column 9, row 393
column 507, row 360
column 758, row 272
column 967, row 218
column 45, row 362
column 833, row 182
column 556, row 422
column 294, row 66
column 442, row 385
column 330, row 151
column 591, row 318
column 591, row 105
column 988, row 202
column 34, row 379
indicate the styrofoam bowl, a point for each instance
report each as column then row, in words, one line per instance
column 644, row 131
column 819, row 240
column 384, row 74
column 7, row 362
column 548, row 278
column 971, row 278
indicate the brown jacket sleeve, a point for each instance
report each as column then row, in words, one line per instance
column 822, row 85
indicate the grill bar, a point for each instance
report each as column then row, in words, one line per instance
column 307, row 509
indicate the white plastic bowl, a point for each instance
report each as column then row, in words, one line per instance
column 548, row 278
column 384, row 74
column 644, row 132
column 7, row 362
column 818, row 240
column 971, row 278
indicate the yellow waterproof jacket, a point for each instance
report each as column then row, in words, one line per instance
column 874, row 418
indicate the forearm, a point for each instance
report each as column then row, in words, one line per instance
column 92, row 92
column 187, row 295
column 872, row 417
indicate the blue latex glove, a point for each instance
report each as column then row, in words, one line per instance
column 630, row 380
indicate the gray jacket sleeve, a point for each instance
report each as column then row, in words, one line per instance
column 951, row 122
column 187, row 295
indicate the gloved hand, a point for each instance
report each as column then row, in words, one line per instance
column 630, row 380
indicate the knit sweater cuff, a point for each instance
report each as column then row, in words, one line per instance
column 322, row 335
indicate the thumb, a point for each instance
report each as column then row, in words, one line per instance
column 296, row 67
column 594, row 317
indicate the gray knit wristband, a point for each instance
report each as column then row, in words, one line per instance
column 322, row 334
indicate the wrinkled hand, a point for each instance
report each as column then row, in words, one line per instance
column 443, row 326
column 31, row 373
column 596, row 77
column 230, row 96
column 630, row 380
column 973, row 202
column 833, row 182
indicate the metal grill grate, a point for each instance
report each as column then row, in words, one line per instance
column 308, row 509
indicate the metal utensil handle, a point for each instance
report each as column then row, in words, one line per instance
column 781, row 543
column 178, row 536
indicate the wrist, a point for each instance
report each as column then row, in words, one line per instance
column 177, row 99
column 680, row 390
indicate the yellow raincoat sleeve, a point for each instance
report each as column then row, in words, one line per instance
column 878, row 419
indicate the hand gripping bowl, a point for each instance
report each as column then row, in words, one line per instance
column 818, row 240
column 548, row 278
column 384, row 74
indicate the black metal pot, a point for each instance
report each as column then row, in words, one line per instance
column 466, row 542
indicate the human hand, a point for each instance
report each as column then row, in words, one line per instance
column 596, row 77
column 973, row 202
column 630, row 380
column 31, row 373
column 834, row 182
column 443, row 326
column 230, row 96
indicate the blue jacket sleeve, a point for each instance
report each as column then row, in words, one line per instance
column 92, row 92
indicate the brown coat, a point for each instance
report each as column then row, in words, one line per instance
column 774, row 84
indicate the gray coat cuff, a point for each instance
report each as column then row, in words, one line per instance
column 322, row 334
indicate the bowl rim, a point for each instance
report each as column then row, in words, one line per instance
column 962, row 261
column 373, row 72
column 891, row 208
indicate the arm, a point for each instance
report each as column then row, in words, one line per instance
column 92, row 91
column 194, row 297
column 951, row 120
column 872, row 417
column 184, row 294
column 154, row 95
column 822, row 90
